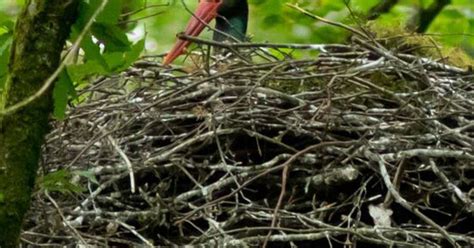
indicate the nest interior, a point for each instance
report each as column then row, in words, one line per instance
column 358, row 145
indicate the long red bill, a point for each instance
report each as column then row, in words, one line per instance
column 204, row 14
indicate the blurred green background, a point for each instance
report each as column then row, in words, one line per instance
column 273, row 21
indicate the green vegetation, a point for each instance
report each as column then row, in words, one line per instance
column 273, row 21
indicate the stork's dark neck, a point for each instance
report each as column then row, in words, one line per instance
column 232, row 20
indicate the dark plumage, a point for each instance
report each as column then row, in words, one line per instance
column 231, row 21
column 232, row 18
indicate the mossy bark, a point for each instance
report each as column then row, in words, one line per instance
column 40, row 34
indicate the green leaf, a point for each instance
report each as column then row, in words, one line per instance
column 85, row 13
column 6, row 26
column 5, row 41
column 92, row 51
column 3, row 30
column 87, row 174
column 59, row 181
column 10, row 25
column 133, row 5
column 114, row 60
column 4, row 60
column 118, row 61
column 61, row 92
column 113, row 37
column 111, row 12
column 109, row 15
column 136, row 51
column 80, row 72
column 2, row 198
column 6, row 36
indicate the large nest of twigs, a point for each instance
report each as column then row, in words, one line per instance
column 359, row 145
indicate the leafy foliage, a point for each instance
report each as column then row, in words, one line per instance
column 89, row 175
column 106, row 50
column 6, row 34
column 62, row 89
column 59, row 181
column 62, row 181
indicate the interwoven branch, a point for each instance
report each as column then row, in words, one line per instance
column 204, row 151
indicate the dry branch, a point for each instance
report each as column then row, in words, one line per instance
column 357, row 126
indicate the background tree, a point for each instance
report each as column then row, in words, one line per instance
column 423, row 18
column 273, row 21
column 383, row 7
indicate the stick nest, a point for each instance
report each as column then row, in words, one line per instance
column 359, row 144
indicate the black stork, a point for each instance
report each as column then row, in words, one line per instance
column 231, row 23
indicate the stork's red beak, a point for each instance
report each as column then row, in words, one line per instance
column 204, row 14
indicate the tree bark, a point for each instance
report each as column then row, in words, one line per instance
column 381, row 8
column 422, row 20
column 40, row 34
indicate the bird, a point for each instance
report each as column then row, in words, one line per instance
column 231, row 24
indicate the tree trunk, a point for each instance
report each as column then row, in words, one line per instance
column 421, row 21
column 40, row 34
column 381, row 8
